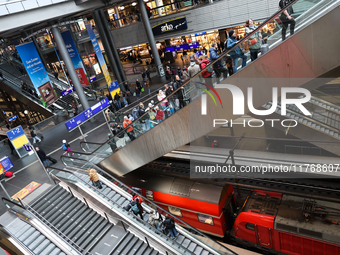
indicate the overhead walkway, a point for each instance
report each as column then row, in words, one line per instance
column 292, row 63
column 116, row 194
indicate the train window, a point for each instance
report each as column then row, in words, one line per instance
column 137, row 190
column 175, row 211
column 250, row 226
column 205, row 219
column 149, row 194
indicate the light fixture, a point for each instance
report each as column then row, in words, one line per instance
column 134, row 4
column 146, row 1
column 122, row 7
column 26, row 112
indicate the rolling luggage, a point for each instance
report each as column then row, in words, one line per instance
column 54, row 161
column 264, row 49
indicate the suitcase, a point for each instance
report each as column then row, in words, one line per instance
column 264, row 49
column 8, row 174
column 54, row 161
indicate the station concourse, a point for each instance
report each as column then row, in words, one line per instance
column 169, row 127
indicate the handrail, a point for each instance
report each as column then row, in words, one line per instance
column 52, row 228
column 134, row 216
column 144, row 198
column 223, row 55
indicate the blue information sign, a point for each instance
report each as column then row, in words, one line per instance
column 67, row 91
column 13, row 118
column 88, row 113
column 15, row 133
column 6, row 163
column 182, row 47
column 170, row 49
column 194, row 45
column 202, row 33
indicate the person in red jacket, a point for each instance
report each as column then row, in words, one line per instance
column 204, row 61
column 159, row 114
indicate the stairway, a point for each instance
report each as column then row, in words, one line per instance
column 83, row 228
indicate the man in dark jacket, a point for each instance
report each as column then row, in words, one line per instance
column 218, row 68
column 286, row 18
column 169, row 225
column 34, row 136
column 145, row 119
column 42, row 156
column 236, row 53
column 177, row 84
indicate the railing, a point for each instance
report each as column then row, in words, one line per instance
column 78, row 165
column 145, row 225
column 196, row 83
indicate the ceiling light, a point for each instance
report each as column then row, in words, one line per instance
column 122, row 7
column 134, row 4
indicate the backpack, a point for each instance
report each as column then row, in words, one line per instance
column 168, row 223
column 64, row 147
column 134, row 207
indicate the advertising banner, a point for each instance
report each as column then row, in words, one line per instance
column 99, row 55
column 76, row 60
column 37, row 73
column 114, row 88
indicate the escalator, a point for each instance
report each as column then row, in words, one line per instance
column 296, row 62
column 116, row 195
column 322, row 128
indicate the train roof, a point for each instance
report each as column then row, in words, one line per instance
column 290, row 218
column 176, row 186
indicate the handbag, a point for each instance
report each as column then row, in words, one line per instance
column 142, row 90
column 253, row 41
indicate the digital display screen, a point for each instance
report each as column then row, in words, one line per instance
column 182, row 47
column 170, row 49
column 194, row 45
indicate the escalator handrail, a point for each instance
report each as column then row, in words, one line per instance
column 144, row 198
column 134, row 216
column 224, row 54
column 51, row 227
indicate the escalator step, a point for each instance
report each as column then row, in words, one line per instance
column 64, row 211
column 43, row 200
column 31, row 238
column 121, row 200
column 73, row 220
column 116, row 197
column 19, row 228
column 192, row 246
column 130, row 245
column 111, row 194
column 55, row 213
column 186, row 242
column 56, row 201
column 36, row 242
column 198, row 250
column 124, row 243
column 142, row 249
column 84, row 228
column 154, row 252
column 89, row 227
column 205, row 252
column 180, row 239
column 80, row 229
column 26, row 234
column 331, row 132
column 100, row 227
column 64, row 221
column 148, row 251
column 106, row 191
column 318, row 127
column 42, row 246
column 48, row 250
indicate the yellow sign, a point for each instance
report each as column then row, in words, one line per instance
column 20, row 141
column 25, row 191
column 106, row 74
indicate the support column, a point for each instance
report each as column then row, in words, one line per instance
column 70, row 67
column 118, row 16
column 158, row 8
column 108, row 51
column 151, row 38
column 112, row 45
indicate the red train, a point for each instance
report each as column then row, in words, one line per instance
column 271, row 221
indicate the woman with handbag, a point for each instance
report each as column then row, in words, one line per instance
column 254, row 40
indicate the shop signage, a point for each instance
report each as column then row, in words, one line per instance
column 87, row 114
column 6, row 163
column 114, row 88
column 93, row 78
column 173, row 25
column 74, row 55
column 99, row 54
column 37, row 73
column 183, row 47
column 198, row 34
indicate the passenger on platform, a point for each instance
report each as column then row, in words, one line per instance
column 138, row 84
column 117, row 101
column 218, row 67
column 159, row 114
column 144, row 117
column 74, row 106
column 144, row 75
column 129, row 130
column 254, row 41
column 147, row 71
column 193, row 68
column 155, row 219
column 95, row 178
column 67, row 148
column 185, row 74
column 24, row 86
column 34, row 136
column 147, row 85
column 286, row 18
column 136, row 208
column 42, row 156
column 126, row 86
column 236, row 53
column 169, row 225
column 137, row 91
column 178, row 84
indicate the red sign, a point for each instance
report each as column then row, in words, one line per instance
column 82, row 77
